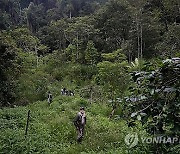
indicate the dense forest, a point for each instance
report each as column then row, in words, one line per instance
column 119, row 57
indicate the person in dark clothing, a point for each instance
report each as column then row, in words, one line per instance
column 63, row 91
column 71, row 93
column 79, row 122
column 49, row 98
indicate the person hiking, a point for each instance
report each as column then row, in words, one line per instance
column 63, row 91
column 79, row 122
column 49, row 98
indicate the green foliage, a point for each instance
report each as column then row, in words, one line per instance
column 27, row 42
column 155, row 99
column 51, row 129
column 8, row 69
column 113, row 78
column 32, row 88
column 81, row 73
column 71, row 52
column 146, row 29
column 35, row 16
column 169, row 47
column 91, row 54
column 113, row 22
column 24, row 39
column 115, row 56
column 54, row 35
column 81, row 28
column 137, row 65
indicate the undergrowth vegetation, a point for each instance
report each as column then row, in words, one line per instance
column 51, row 129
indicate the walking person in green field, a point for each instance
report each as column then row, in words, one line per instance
column 80, row 122
column 49, row 98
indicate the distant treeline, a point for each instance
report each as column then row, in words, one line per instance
column 57, row 39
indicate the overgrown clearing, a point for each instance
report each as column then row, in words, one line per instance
column 51, row 129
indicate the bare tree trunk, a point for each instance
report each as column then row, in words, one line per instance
column 29, row 25
column 27, row 123
column 113, row 110
column 70, row 14
column 91, row 91
column 138, row 38
column 59, row 41
column 20, row 12
column 27, row 20
column 141, row 42
column 37, row 58
column 77, row 48
column 66, row 37
column 129, row 58
column 141, row 34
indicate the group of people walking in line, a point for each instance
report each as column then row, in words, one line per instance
column 64, row 91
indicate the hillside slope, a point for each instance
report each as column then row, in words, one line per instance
column 51, row 129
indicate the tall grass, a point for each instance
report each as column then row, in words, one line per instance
column 51, row 129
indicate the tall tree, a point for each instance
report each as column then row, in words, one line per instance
column 113, row 21
column 8, row 69
column 91, row 54
column 35, row 16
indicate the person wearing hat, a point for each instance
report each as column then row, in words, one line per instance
column 79, row 122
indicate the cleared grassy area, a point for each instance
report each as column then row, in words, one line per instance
column 51, row 129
